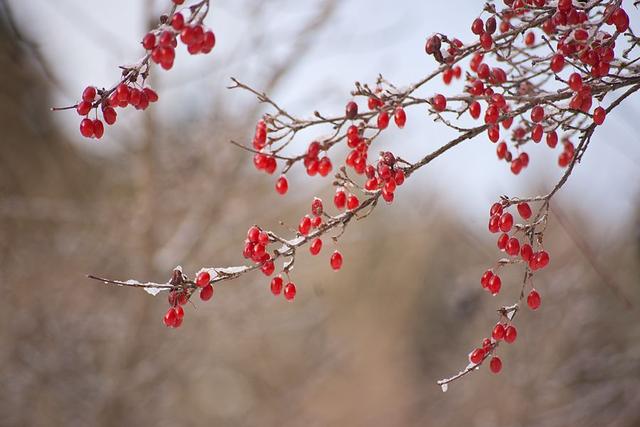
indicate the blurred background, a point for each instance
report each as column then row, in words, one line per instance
column 361, row 347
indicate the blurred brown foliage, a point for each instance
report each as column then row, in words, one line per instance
column 359, row 348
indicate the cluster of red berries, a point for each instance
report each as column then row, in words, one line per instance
column 565, row 158
column 277, row 285
column 485, row 31
column 433, row 47
column 261, row 160
column 501, row 332
column 314, row 164
column 386, row 176
column 382, row 122
column 450, row 73
column 162, row 43
column 314, row 221
column 177, row 298
column 122, row 96
column 502, row 221
column 343, row 200
column 255, row 249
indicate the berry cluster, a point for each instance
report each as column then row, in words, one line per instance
column 444, row 55
column 179, row 296
column 502, row 221
column 386, row 176
column 256, row 249
column 485, row 31
column 99, row 99
column 160, row 44
column 262, row 161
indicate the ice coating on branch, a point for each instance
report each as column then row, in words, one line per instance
column 228, row 270
column 444, row 387
column 149, row 288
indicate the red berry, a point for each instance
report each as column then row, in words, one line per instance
column 109, row 115
column 373, row 103
column 351, row 110
column 599, row 114
column 290, row 291
column 524, row 210
column 498, row 332
column 557, row 63
column 282, row 185
column 170, row 318
column 501, row 150
column 316, row 206
column 510, row 334
column 491, row 115
column 529, row 39
column 179, row 311
column 575, row 82
column 506, row 222
column 324, row 166
column 122, row 92
column 203, row 279
column 513, row 247
column 383, row 120
column 476, row 356
column 494, row 224
column 86, row 128
column 533, row 300
column 152, row 96
column 84, row 107
column 486, row 41
column 400, row 117
column 475, row 109
column 439, row 102
column 621, row 20
column 495, row 364
column 484, row 280
column 552, row 139
column 98, row 129
column 496, row 209
column 208, row 42
column 536, row 133
column 494, row 284
column 268, row 267
column 336, row 260
column 490, row 25
column 253, row 234
column 477, row 27
column 340, row 199
column 542, row 259
column 149, row 41
column 503, row 239
column 315, row 246
column 352, row 202
column 537, row 114
column 494, row 133
column 89, row 94
column 305, row 225
column 276, row 285
column 177, row 22
column 526, row 252
column 206, row 293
